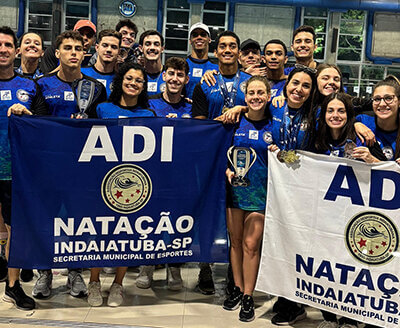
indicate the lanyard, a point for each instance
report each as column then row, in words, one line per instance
column 289, row 129
column 229, row 97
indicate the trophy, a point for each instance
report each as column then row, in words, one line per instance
column 85, row 94
column 241, row 159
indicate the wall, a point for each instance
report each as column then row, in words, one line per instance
column 251, row 21
column 9, row 13
column 386, row 36
column 145, row 18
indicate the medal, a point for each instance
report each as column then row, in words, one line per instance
column 287, row 156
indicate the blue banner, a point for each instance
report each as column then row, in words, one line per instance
column 117, row 192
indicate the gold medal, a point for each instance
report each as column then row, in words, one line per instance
column 281, row 155
column 291, row 157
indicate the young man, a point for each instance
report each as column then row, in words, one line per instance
column 107, row 49
column 250, row 58
column 198, row 60
column 87, row 29
column 171, row 103
column 303, row 46
column 18, row 94
column 228, row 91
column 151, row 43
column 60, row 92
column 275, row 57
column 60, row 89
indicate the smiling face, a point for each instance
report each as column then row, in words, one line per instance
column 128, row 36
column 298, row 89
column 175, row 80
column 257, row 96
column 7, row 51
column 31, row 46
column 275, row 57
column 108, row 49
column 385, row 103
column 227, row 51
column 152, row 48
column 200, row 40
column 248, row 57
column 328, row 81
column 70, row 53
column 303, row 45
column 133, row 83
column 336, row 115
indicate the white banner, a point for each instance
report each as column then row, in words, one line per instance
column 331, row 236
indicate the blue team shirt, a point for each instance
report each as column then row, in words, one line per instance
column 385, row 139
column 215, row 98
column 105, row 78
column 162, row 108
column 59, row 96
column 257, row 135
column 277, row 87
column 110, row 110
column 17, row 90
column 197, row 67
column 277, row 116
column 155, row 84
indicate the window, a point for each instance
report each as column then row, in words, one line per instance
column 40, row 15
column 74, row 11
column 176, row 27
column 215, row 16
column 318, row 18
column 351, row 36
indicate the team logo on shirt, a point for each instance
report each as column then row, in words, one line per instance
column 126, row 188
column 371, row 238
column 69, row 96
column 22, row 95
column 303, row 125
column 197, row 72
column 388, row 151
column 5, row 95
column 267, row 137
column 253, row 134
column 242, row 86
column 162, row 87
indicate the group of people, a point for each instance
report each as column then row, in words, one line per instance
column 274, row 108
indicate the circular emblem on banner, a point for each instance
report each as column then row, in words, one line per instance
column 22, row 95
column 127, row 8
column 242, row 87
column 267, row 137
column 126, row 188
column 371, row 238
column 388, row 151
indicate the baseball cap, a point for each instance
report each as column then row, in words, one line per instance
column 84, row 23
column 201, row 26
column 250, row 43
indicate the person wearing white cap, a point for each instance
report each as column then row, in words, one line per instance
column 198, row 60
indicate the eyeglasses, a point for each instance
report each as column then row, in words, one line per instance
column 306, row 68
column 388, row 99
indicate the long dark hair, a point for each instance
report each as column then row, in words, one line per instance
column 116, row 93
column 319, row 97
column 307, row 108
column 323, row 133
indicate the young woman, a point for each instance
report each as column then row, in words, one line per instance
column 128, row 99
column 246, row 203
column 290, row 132
column 385, row 123
column 129, row 94
column 31, row 51
column 336, row 136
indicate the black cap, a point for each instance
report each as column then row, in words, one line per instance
column 250, row 44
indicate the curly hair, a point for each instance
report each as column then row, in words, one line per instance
column 116, row 93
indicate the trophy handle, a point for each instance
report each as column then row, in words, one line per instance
column 228, row 154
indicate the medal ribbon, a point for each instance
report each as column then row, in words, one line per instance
column 229, row 97
column 35, row 75
column 289, row 129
